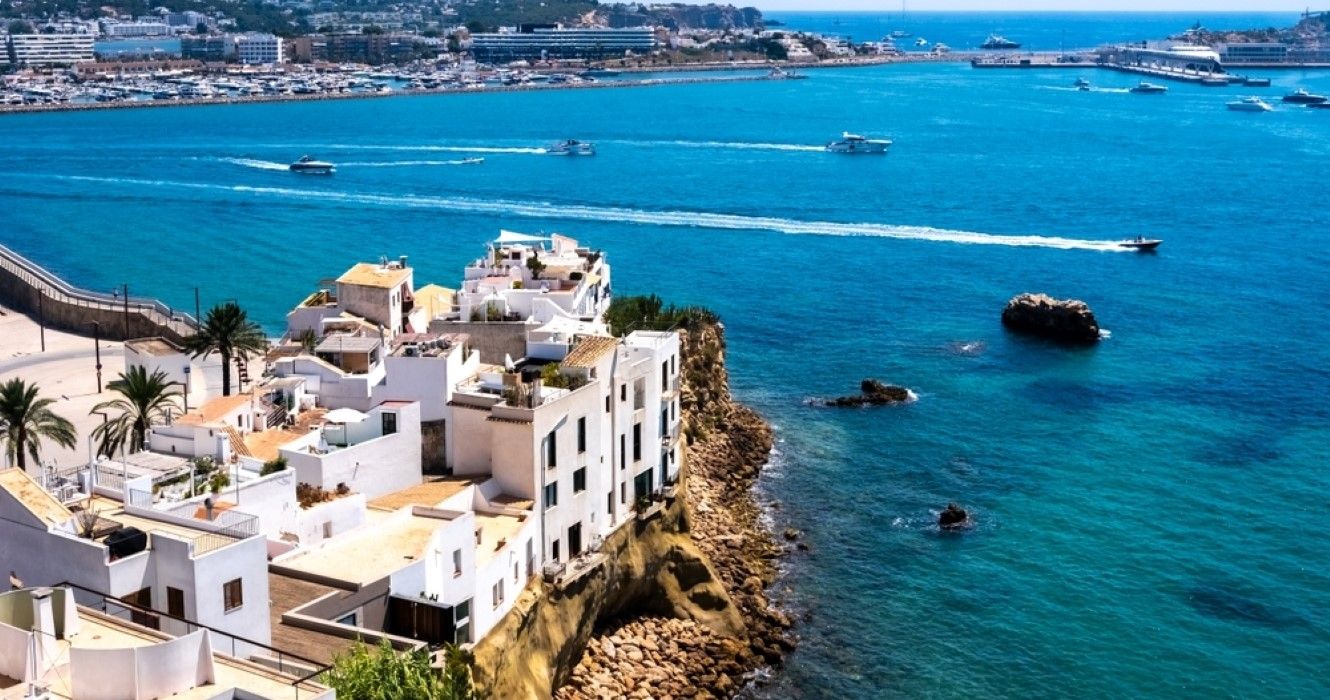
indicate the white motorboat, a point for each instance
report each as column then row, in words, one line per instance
column 1250, row 104
column 1149, row 89
column 572, row 147
column 308, row 166
column 855, row 144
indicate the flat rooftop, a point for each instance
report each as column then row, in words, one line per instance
column 286, row 594
column 25, row 490
column 371, row 275
column 496, row 531
column 115, row 510
column 348, row 343
column 215, row 409
column 157, row 347
column 429, row 494
column 369, row 554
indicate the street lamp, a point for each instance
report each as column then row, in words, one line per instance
column 187, row 367
column 97, row 350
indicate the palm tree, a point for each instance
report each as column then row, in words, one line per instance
column 26, row 419
column 227, row 331
column 144, row 400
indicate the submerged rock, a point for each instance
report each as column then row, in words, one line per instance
column 874, row 393
column 1066, row 320
column 953, row 518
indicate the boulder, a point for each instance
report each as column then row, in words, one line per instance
column 953, row 518
column 874, row 393
column 1065, row 320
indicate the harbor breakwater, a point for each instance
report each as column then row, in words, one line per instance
column 27, row 287
column 678, row 606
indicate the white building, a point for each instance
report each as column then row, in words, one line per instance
column 132, row 30
column 48, row 49
column 258, row 49
column 53, row 648
column 522, row 278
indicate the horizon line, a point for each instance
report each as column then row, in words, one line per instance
column 952, row 10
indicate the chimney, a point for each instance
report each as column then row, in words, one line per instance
column 402, row 261
column 207, row 506
column 43, row 627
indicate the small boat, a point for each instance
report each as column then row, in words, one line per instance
column 1256, row 82
column 1250, row 104
column 1302, row 97
column 921, row 42
column 855, row 144
column 309, row 166
column 1082, row 83
column 572, row 147
column 997, row 41
column 1141, row 244
column 940, row 49
column 472, row 161
column 900, row 34
column 1215, row 82
column 1149, row 88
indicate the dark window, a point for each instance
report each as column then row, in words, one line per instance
column 551, row 494
column 232, row 595
column 637, row 442
column 623, row 493
column 579, row 480
column 554, row 550
column 575, row 540
column 623, row 451
column 581, row 435
column 389, row 423
column 607, row 403
column 551, row 450
column 664, row 422
column 609, row 503
column 673, row 367
column 175, row 601
column 623, row 392
column 665, row 376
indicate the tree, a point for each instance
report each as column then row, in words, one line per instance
column 26, row 420
column 19, row 26
column 372, row 29
column 144, row 400
column 383, row 674
column 227, row 331
column 201, row 28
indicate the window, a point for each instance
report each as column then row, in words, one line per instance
column 623, row 392
column 389, row 423
column 579, row 480
column 623, row 493
column 673, row 367
column 575, row 540
column 554, row 550
column 462, row 622
column 607, row 403
column 623, row 450
column 664, row 422
column 498, row 593
column 637, row 442
column 175, row 602
column 609, row 503
column 232, row 595
column 551, row 494
column 665, row 376
column 457, row 562
column 551, row 451
column 349, row 620
column 581, row 435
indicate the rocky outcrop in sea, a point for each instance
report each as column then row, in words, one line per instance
column 1065, row 320
column 874, row 393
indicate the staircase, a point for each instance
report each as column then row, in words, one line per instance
column 238, row 446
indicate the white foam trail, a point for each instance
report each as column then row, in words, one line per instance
column 257, row 164
column 685, row 219
column 422, row 148
column 401, row 163
column 734, row 145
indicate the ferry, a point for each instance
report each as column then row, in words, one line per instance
column 997, row 41
column 308, row 166
column 1302, row 97
column 855, row 144
column 572, row 147
column 1149, row 89
column 1141, row 244
column 1250, row 104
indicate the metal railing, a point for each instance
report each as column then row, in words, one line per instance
column 47, row 284
column 299, row 670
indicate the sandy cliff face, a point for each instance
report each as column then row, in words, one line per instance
column 679, row 606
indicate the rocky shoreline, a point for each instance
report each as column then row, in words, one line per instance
column 728, row 444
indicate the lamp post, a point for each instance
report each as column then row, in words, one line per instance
column 97, row 351
column 187, row 368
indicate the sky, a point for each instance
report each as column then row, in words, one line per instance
column 1060, row 5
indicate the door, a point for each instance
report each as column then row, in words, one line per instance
column 575, row 540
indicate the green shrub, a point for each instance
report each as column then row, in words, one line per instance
column 381, row 673
column 650, row 313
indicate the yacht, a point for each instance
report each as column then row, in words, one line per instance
column 1302, row 97
column 1149, row 88
column 856, row 144
column 1141, row 244
column 572, row 148
column 997, row 41
column 309, row 166
column 1250, row 104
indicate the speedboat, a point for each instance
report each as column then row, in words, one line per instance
column 1256, row 82
column 1250, row 104
column 309, row 166
column 1302, row 97
column 997, row 41
column 1082, row 84
column 572, row 147
column 1141, row 244
column 921, row 42
column 856, row 144
column 472, row 161
column 1149, row 88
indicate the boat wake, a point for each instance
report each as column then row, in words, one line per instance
column 405, row 163
column 420, row 148
column 582, row 212
column 256, row 164
column 732, row 145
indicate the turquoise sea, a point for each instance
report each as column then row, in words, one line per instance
column 1151, row 511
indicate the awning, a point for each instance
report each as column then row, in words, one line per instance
column 514, row 237
column 344, row 415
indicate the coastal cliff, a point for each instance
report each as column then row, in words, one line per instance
column 679, row 605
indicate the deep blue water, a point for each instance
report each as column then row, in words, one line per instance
column 1036, row 31
column 1151, row 511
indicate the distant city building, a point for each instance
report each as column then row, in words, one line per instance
column 124, row 30
column 558, row 42
column 374, row 49
column 210, row 49
column 48, row 49
column 1262, row 52
column 189, row 19
column 258, row 49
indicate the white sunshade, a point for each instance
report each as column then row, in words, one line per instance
column 515, row 237
column 344, row 415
